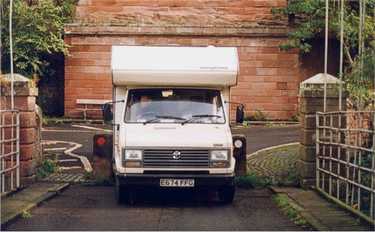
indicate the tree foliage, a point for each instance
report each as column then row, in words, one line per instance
column 307, row 19
column 37, row 30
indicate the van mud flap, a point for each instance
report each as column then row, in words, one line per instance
column 239, row 153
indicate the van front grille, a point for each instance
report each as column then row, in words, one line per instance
column 176, row 158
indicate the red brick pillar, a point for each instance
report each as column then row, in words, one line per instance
column 311, row 100
column 24, row 102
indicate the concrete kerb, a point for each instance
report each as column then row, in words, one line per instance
column 57, row 121
column 311, row 220
column 320, row 213
column 247, row 124
column 289, row 123
column 8, row 194
column 47, row 195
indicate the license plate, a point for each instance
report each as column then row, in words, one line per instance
column 186, row 183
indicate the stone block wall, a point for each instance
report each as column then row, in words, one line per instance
column 223, row 13
column 24, row 102
column 312, row 101
column 268, row 78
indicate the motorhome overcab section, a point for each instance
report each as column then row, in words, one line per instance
column 171, row 118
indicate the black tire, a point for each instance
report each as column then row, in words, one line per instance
column 119, row 192
column 123, row 195
column 226, row 194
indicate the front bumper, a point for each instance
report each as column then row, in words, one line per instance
column 153, row 180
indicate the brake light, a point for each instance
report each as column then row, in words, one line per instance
column 100, row 141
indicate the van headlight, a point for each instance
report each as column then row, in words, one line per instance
column 238, row 143
column 132, row 158
column 132, row 155
column 219, row 159
column 219, row 155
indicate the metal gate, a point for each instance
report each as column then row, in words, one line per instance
column 345, row 140
column 9, row 150
column 345, row 143
column 9, row 123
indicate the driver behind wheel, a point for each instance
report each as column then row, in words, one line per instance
column 145, row 111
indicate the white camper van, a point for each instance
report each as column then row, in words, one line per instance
column 171, row 126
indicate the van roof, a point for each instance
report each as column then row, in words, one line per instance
column 174, row 66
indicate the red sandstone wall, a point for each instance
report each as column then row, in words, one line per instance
column 268, row 79
column 242, row 13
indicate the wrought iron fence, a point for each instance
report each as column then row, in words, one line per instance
column 9, row 150
column 345, row 172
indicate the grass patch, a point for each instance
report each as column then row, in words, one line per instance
column 286, row 207
column 48, row 167
column 246, row 124
column 26, row 214
column 287, row 178
column 252, row 180
column 294, row 118
column 53, row 120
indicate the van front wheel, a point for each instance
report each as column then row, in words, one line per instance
column 226, row 194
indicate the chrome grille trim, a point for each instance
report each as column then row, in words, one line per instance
column 164, row 158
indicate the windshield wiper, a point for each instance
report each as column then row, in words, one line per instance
column 158, row 117
column 197, row 116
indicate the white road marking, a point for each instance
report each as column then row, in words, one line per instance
column 92, row 128
column 50, row 142
column 270, row 148
column 67, row 160
column 85, row 162
column 55, row 149
column 66, row 131
column 68, row 168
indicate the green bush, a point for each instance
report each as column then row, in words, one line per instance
column 38, row 31
column 307, row 20
column 48, row 167
column 294, row 118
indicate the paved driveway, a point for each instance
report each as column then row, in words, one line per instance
column 94, row 208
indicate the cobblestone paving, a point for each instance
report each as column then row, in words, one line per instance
column 277, row 164
column 66, row 178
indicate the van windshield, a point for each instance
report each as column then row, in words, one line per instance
column 174, row 106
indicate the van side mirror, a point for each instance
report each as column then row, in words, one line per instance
column 240, row 114
column 107, row 113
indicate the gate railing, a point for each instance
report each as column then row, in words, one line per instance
column 345, row 160
column 9, row 150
